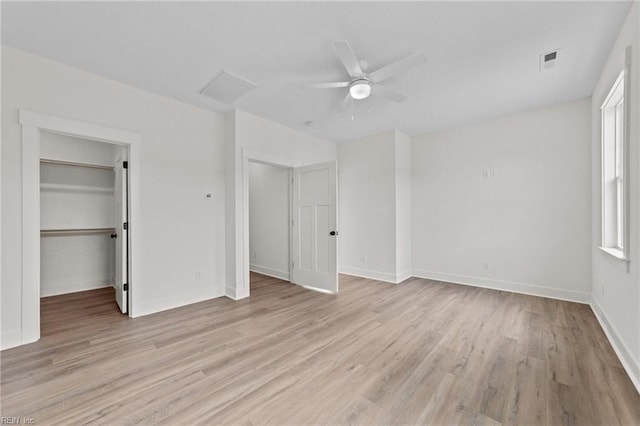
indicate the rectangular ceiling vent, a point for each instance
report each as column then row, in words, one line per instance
column 227, row 87
column 548, row 60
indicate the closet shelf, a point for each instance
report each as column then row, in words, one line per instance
column 74, row 188
column 84, row 231
column 75, row 164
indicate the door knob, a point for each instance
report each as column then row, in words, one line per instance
column 114, row 235
column 333, row 233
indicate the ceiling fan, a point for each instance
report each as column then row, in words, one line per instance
column 362, row 84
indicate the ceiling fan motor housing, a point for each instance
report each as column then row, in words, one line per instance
column 360, row 88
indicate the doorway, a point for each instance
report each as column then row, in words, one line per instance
column 83, row 215
column 269, row 211
column 312, row 223
column 34, row 125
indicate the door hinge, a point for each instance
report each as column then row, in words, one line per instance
column 125, row 287
column 292, row 222
column 125, row 164
column 293, row 264
column 125, row 225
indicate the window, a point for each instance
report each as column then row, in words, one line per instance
column 614, row 185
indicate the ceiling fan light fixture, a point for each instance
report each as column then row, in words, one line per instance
column 360, row 89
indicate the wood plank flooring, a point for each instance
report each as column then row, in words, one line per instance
column 421, row 352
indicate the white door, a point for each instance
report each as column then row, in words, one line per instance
column 122, row 266
column 314, row 233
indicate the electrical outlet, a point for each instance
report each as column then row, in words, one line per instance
column 198, row 275
column 485, row 266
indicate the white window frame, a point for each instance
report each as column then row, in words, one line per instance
column 615, row 124
column 619, row 171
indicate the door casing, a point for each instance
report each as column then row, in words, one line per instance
column 32, row 124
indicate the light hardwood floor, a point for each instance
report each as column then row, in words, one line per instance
column 417, row 353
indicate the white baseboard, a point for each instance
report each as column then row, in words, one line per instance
column 230, row 292
column 175, row 301
column 372, row 275
column 404, row 276
column 275, row 273
column 64, row 287
column 514, row 287
column 10, row 339
column 631, row 365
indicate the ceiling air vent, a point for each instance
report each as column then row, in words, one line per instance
column 548, row 60
column 227, row 87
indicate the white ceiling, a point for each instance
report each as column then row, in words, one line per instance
column 482, row 56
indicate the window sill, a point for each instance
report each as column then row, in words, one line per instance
column 617, row 253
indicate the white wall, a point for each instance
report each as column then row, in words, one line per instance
column 616, row 284
column 247, row 132
column 403, row 206
column 269, row 220
column 367, row 214
column 76, row 263
column 375, row 206
column 181, row 157
column 514, row 193
column 67, row 148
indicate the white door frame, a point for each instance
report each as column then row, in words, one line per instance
column 258, row 157
column 32, row 124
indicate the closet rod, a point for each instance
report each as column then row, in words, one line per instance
column 86, row 231
column 73, row 164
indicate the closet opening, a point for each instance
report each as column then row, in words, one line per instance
column 297, row 225
column 269, row 223
column 84, row 241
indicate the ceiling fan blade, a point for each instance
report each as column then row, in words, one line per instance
column 386, row 93
column 345, row 103
column 330, row 85
column 349, row 59
column 397, row 67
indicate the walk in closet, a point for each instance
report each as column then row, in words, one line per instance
column 80, row 198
